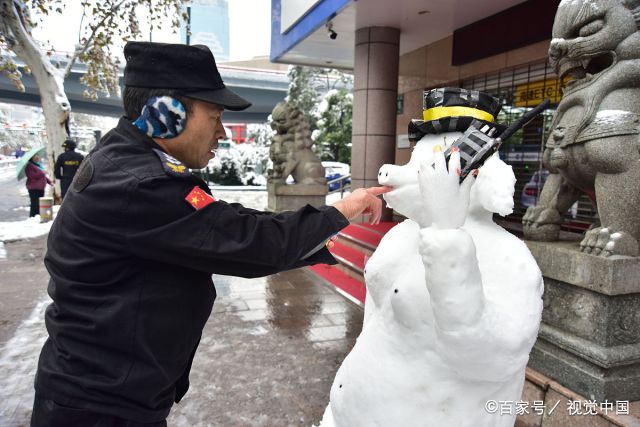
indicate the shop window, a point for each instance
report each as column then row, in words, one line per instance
column 521, row 89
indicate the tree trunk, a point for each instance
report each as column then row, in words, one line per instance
column 50, row 80
column 56, row 109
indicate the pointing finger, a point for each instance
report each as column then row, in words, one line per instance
column 376, row 191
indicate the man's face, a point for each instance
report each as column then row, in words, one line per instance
column 194, row 146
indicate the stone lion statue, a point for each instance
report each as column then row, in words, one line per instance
column 594, row 144
column 290, row 149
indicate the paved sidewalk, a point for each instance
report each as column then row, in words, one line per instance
column 267, row 358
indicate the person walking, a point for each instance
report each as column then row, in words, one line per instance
column 37, row 181
column 67, row 165
column 133, row 247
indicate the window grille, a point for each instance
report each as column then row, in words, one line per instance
column 520, row 89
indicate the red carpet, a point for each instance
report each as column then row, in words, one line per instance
column 368, row 234
column 341, row 280
column 364, row 235
column 351, row 255
column 382, row 228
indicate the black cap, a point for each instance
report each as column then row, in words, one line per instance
column 191, row 70
column 69, row 144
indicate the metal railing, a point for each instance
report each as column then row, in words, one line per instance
column 343, row 184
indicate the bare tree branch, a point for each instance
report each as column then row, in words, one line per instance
column 77, row 53
column 17, row 36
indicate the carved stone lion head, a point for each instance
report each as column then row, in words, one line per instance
column 589, row 36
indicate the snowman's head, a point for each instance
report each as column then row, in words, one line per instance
column 494, row 188
column 447, row 112
column 405, row 198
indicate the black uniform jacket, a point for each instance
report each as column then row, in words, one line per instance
column 67, row 164
column 130, row 262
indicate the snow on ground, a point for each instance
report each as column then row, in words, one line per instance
column 30, row 227
column 18, row 362
column 7, row 173
column 247, row 198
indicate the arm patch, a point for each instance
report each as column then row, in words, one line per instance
column 198, row 198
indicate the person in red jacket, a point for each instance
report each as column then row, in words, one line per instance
column 37, row 180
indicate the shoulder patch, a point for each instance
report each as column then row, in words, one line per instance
column 198, row 198
column 83, row 176
column 171, row 165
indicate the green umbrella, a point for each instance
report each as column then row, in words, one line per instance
column 22, row 163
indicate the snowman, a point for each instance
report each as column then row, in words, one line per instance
column 453, row 300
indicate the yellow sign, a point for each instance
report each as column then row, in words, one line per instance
column 531, row 94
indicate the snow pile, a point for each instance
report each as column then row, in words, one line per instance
column 30, row 227
column 7, row 173
column 453, row 305
column 612, row 113
column 612, row 117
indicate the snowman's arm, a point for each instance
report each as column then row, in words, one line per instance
column 468, row 334
column 452, row 277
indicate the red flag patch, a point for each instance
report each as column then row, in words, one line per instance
column 198, row 198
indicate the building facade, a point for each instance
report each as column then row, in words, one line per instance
column 398, row 50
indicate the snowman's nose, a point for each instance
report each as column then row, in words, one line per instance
column 393, row 175
column 383, row 175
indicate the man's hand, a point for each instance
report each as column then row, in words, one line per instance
column 363, row 201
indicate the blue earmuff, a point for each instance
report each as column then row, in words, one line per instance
column 162, row 117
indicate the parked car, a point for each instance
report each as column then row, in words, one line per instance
column 532, row 188
column 335, row 170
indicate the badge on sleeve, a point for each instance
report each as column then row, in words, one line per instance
column 171, row 165
column 198, row 198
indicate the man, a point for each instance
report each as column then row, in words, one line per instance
column 133, row 247
column 67, row 165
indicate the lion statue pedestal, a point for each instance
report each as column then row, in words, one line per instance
column 288, row 197
column 292, row 155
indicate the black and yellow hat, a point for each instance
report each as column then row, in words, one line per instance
column 452, row 109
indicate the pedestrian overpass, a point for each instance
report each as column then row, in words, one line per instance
column 264, row 88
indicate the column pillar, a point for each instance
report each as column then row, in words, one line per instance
column 374, row 104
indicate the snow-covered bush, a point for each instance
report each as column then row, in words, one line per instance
column 253, row 161
column 226, row 167
column 334, row 118
column 240, row 164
